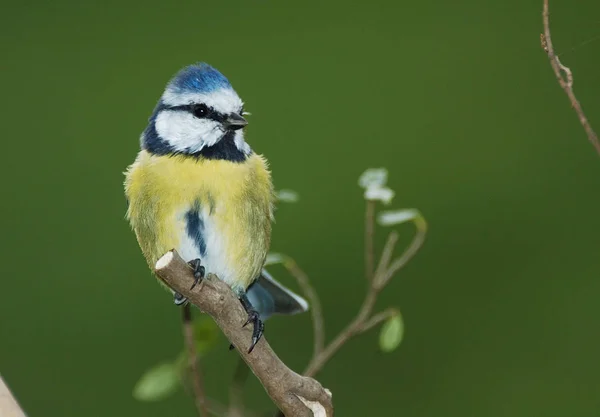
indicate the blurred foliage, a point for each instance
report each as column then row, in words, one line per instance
column 163, row 380
column 206, row 334
column 456, row 98
column 392, row 333
column 158, row 382
column 395, row 217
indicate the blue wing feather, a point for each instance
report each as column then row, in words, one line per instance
column 269, row 297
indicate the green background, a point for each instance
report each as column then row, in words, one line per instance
column 455, row 98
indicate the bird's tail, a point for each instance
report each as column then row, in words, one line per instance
column 269, row 297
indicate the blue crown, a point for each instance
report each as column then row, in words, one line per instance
column 198, row 78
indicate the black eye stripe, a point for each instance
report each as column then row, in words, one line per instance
column 201, row 111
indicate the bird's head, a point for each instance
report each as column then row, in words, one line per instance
column 198, row 114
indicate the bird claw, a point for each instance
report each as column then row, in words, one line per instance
column 199, row 271
column 179, row 299
column 254, row 318
column 258, row 328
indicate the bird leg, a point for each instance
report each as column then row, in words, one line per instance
column 199, row 272
column 254, row 318
column 178, row 299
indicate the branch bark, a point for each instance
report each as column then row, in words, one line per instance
column 8, row 405
column 566, row 81
column 295, row 395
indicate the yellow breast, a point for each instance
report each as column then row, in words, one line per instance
column 233, row 202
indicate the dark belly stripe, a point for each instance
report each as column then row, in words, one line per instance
column 195, row 228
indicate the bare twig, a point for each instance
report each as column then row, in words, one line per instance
column 379, row 318
column 386, row 255
column 354, row 328
column 8, row 405
column 364, row 320
column 236, row 390
column 193, row 365
column 314, row 302
column 369, row 240
column 290, row 391
column 566, row 81
column 385, row 276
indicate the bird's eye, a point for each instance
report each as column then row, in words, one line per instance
column 200, row 110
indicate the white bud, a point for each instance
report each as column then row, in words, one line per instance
column 394, row 217
column 373, row 177
column 376, row 193
column 287, row 196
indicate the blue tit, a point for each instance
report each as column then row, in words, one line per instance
column 197, row 186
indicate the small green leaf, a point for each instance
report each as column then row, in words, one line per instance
column 157, row 383
column 391, row 333
column 206, row 334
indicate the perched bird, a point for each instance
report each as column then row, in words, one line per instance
column 196, row 186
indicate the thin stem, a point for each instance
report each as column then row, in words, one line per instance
column 363, row 320
column 567, row 85
column 236, row 390
column 411, row 251
column 193, row 362
column 315, row 305
column 379, row 318
column 386, row 256
column 369, row 240
column 354, row 328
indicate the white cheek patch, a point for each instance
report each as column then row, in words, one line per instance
column 240, row 143
column 224, row 101
column 186, row 133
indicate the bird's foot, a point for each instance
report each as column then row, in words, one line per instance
column 179, row 299
column 199, row 271
column 254, row 318
column 258, row 327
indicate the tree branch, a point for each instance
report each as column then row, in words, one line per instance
column 566, row 81
column 8, row 405
column 295, row 395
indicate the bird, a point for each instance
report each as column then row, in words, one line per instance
column 197, row 186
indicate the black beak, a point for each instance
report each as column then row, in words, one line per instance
column 235, row 121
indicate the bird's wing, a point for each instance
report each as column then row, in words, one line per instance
column 269, row 297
